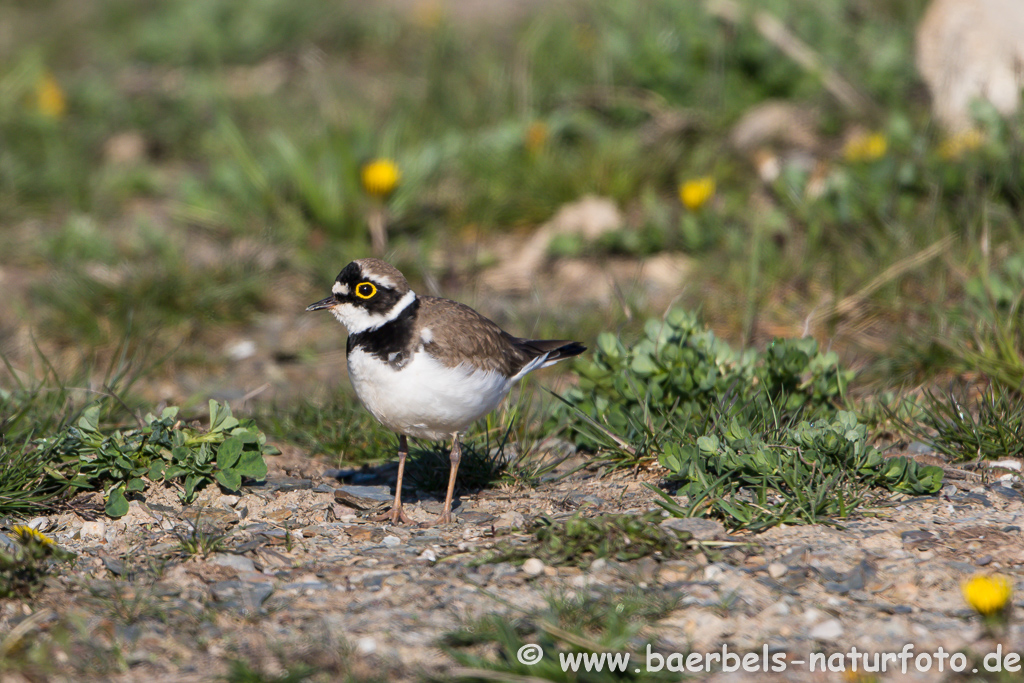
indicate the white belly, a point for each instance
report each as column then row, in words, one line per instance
column 425, row 399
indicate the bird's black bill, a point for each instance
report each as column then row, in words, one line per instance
column 329, row 302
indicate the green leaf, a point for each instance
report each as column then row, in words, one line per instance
column 136, row 485
column 229, row 479
column 192, row 481
column 229, row 452
column 156, row 470
column 117, row 504
column 174, row 471
column 220, row 417
column 252, row 465
column 90, row 420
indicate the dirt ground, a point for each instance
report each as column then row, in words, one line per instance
column 304, row 576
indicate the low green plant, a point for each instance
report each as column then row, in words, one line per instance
column 757, row 439
column 579, row 540
column 589, row 623
column 810, row 472
column 679, row 374
column 988, row 427
column 200, row 541
column 240, row 671
column 23, row 567
column 163, row 449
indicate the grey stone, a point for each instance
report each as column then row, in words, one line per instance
column 236, row 562
column 381, row 494
column 701, row 529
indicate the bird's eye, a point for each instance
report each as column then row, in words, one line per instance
column 365, row 290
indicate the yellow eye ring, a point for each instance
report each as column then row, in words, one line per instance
column 366, row 290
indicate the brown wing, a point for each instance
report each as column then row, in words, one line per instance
column 461, row 335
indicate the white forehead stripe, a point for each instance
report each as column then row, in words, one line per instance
column 339, row 288
column 426, row 336
column 383, row 281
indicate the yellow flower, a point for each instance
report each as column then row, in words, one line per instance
column 536, row 136
column 50, row 97
column 428, row 13
column 865, row 147
column 956, row 145
column 27, row 535
column 988, row 595
column 696, row 192
column 380, row 177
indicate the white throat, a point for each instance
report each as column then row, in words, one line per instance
column 356, row 319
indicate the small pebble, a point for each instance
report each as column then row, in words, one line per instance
column 713, row 572
column 830, row 629
column 777, row 570
column 366, row 646
column 533, row 567
column 93, row 530
column 428, row 555
column 391, row 541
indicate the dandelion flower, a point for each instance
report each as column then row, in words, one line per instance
column 865, row 147
column 696, row 192
column 50, row 99
column 380, row 177
column 536, row 137
column 956, row 145
column 428, row 13
column 988, row 595
column 27, row 535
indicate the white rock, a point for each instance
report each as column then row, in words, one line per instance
column 242, row 349
column 39, row 523
column 813, row 616
column 391, row 541
column 236, row 562
column 533, row 567
column 428, row 555
column 713, row 572
column 366, row 645
column 777, row 570
column 598, row 565
column 830, row 629
column 93, row 530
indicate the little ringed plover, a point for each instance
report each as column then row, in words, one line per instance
column 427, row 367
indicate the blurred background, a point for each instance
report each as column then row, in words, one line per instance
column 179, row 179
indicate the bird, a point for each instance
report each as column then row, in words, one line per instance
column 424, row 366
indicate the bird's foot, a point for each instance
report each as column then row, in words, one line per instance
column 396, row 515
column 443, row 518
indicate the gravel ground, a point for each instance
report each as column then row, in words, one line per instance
column 305, row 577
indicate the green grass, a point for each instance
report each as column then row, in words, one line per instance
column 339, row 430
column 579, row 540
column 588, row 622
column 245, row 189
column 257, row 125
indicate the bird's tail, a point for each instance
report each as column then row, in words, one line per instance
column 547, row 352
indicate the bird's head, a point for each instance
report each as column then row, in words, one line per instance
column 366, row 294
